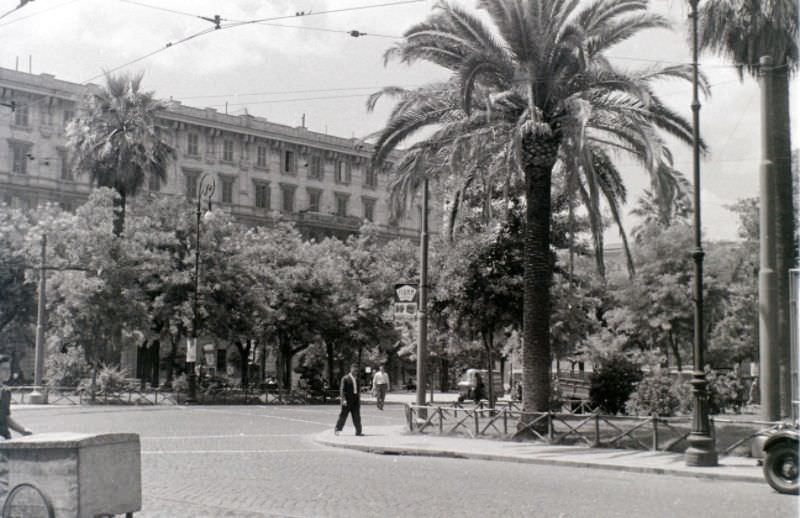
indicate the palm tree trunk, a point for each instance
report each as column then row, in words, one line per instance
column 539, row 156
column 784, row 225
column 119, row 213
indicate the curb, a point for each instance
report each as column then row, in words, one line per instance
column 426, row 452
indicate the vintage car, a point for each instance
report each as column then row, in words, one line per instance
column 780, row 459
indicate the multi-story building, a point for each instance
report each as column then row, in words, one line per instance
column 260, row 168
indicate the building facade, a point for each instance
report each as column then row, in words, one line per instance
column 262, row 170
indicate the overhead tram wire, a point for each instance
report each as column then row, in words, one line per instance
column 37, row 13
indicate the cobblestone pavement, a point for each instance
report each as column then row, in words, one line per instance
column 256, row 462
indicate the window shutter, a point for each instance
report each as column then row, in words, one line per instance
column 348, row 172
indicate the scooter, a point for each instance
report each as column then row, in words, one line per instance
column 780, row 460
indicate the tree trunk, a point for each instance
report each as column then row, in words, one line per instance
column 119, row 213
column 676, row 352
column 786, row 248
column 330, row 359
column 538, row 158
column 444, row 378
column 244, row 360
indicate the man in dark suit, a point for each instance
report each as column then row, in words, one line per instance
column 351, row 404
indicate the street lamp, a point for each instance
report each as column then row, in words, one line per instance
column 204, row 190
column 701, row 450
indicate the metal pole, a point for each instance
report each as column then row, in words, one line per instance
column 422, row 342
column 701, row 450
column 37, row 396
column 767, row 274
column 207, row 191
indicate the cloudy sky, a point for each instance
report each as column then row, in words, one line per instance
column 293, row 65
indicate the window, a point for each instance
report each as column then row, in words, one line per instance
column 46, row 113
column 68, row 116
column 63, row 163
column 227, row 150
column 314, row 198
column 287, row 197
column 342, row 172
column 261, row 156
column 289, row 162
column 371, row 177
column 341, row 204
column 315, row 167
column 191, row 185
column 21, row 115
column 227, row 189
column 154, row 183
column 192, row 147
column 19, row 152
column 369, row 209
column 262, row 195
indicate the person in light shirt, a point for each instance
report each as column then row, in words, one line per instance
column 380, row 384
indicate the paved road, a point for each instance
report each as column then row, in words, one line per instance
column 256, row 462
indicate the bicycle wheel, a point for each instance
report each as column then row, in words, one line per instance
column 27, row 501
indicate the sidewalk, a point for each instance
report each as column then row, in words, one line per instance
column 395, row 440
column 399, row 397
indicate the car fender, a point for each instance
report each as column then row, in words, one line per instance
column 780, row 437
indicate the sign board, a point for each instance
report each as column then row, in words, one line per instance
column 191, row 350
column 405, row 310
column 406, row 292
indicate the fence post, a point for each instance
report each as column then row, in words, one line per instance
column 441, row 419
column 596, row 430
column 550, row 426
column 477, row 423
column 655, row 432
column 505, row 421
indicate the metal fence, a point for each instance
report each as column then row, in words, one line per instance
column 131, row 395
column 593, row 429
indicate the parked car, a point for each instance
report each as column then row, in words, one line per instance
column 780, row 460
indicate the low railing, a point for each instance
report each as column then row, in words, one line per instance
column 131, row 395
column 507, row 421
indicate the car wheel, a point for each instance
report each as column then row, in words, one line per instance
column 780, row 468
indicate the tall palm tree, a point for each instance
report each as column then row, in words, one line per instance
column 538, row 77
column 117, row 139
column 743, row 31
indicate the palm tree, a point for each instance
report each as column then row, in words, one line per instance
column 118, row 141
column 539, row 81
column 743, row 31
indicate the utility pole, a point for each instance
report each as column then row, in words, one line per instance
column 768, row 345
column 38, row 397
column 701, row 450
column 422, row 340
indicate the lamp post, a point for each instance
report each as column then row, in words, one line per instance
column 422, row 342
column 701, row 450
column 204, row 190
column 37, row 397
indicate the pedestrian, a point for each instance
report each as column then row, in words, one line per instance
column 7, row 422
column 479, row 392
column 348, row 392
column 380, row 384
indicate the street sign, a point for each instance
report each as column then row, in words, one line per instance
column 405, row 310
column 406, row 292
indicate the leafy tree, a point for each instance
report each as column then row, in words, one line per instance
column 118, row 139
column 541, row 69
column 17, row 291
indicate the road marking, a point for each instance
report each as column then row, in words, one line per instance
column 266, row 416
column 211, row 452
column 228, row 436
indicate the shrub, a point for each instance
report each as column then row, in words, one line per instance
column 725, row 392
column 613, row 382
column 111, row 378
column 66, row 369
column 657, row 394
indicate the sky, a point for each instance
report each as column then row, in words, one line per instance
column 309, row 65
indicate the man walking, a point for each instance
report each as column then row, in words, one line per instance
column 348, row 392
column 380, row 384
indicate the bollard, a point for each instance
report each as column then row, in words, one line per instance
column 655, row 433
